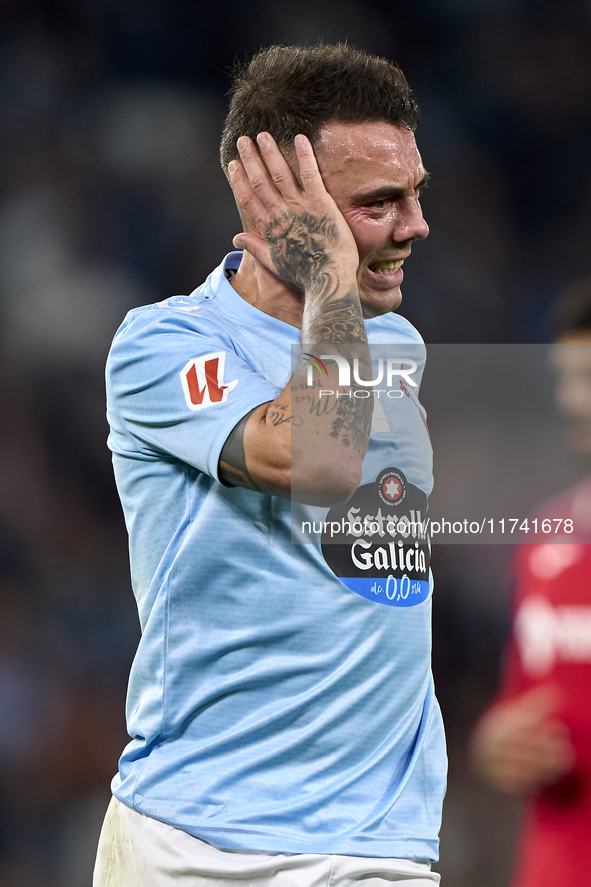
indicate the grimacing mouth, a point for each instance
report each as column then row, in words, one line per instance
column 386, row 267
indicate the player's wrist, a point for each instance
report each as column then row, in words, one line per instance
column 337, row 278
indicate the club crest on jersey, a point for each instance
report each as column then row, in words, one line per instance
column 203, row 381
column 391, row 486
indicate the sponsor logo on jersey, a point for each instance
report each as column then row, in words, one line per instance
column 381, row 551
column 203, row 381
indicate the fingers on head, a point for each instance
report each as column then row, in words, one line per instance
column 247, row 199
column 266, row 171
column 277, row 165
column 252, row 162
column 309, row 172
column 264, row 176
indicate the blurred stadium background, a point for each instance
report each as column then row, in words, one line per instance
column 111, row 196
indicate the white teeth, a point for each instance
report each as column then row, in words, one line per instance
column 386, row 267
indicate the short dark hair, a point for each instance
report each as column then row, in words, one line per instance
column 286, row 90
column 571, row 313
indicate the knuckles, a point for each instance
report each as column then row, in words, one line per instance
column 258, row 181
column 281, row 179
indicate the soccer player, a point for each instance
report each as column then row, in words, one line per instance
column 281, row 706
column 535, row 739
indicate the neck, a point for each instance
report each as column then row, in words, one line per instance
column 266, row 292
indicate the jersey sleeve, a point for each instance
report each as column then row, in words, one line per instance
column 177, row 386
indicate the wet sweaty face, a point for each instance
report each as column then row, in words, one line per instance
column 374, row 172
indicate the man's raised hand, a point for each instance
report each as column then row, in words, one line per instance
column 295, row 230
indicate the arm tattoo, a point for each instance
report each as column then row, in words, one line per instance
column 300, row 249
column 353, row 423
column 339, row 322
column 278, row 415
column 232, row 464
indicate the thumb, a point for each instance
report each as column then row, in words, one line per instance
column 258, row 248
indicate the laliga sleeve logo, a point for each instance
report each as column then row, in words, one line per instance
column 203, row 381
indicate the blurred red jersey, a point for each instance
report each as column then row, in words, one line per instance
column 551, row 644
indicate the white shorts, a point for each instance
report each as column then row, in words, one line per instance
column 137, row 851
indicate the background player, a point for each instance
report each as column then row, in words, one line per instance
column 535, row 740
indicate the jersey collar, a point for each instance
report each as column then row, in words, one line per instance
column 223, row 290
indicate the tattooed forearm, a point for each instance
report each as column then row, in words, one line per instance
column 352, row 423
column 318, row 406
column 307, row 252
column 337, row 322
column 232, row 465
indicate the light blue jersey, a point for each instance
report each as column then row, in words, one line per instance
column 271, row 705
